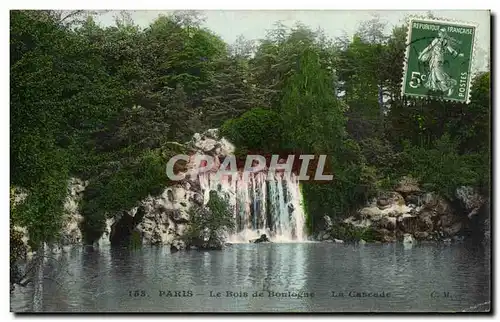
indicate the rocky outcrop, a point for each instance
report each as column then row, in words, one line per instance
column 408, row 239
column 410, row 211
column 324, row 234
column 163, row 219
column 391, row 217
column 407, row 185
column 210, row 143
column 70, row 232
column 22, row 254
column 157, row 220
column 470, row 200
column 262, row 239
column 19, row 235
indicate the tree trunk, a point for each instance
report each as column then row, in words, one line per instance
column 38, row 280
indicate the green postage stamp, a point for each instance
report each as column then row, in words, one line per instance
column 439, row 58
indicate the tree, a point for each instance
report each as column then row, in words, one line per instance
column 363, row 79
column 276, row 59
column 372, row 31
column 259, row 130
column 232, row 94
column 242, row 48
column 312, row 116
column 43, row 115
column 209, row 224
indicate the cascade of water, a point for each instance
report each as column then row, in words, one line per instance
column 261, row 206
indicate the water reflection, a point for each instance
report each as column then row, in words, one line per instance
column 114, row 279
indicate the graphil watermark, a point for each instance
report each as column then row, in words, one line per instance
column 305, row 167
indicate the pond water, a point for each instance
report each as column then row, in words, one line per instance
column 277, row 277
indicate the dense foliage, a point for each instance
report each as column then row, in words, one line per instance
column 343, row 99
column 105, row 103
column 258, row 130
column 209, row 224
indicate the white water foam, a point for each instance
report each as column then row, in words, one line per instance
column 260, row 206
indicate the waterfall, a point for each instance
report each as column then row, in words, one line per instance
column 260, row 206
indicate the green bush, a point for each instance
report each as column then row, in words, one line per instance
column 256, row 130
column 350, row 233
column 353, row 183
column 441, row 168
column 209, row 223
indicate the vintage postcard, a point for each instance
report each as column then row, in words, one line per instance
column 250, row 161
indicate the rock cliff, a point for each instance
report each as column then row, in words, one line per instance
column 409, row 212
column 162, row 220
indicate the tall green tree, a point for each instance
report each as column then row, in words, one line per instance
column 276, row 59
column 58, row 91
column 312, row 116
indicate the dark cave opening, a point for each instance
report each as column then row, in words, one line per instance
column 123, row 230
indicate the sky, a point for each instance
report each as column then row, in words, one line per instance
column 252, row 24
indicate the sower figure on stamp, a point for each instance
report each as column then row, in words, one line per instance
column 438, row 79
